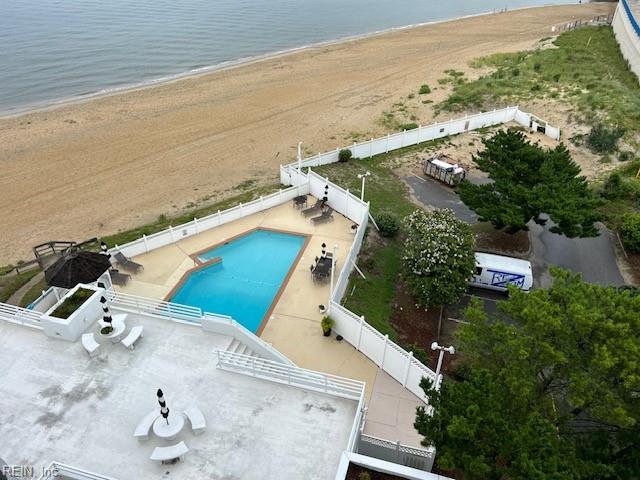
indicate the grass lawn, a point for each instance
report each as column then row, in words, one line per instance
column 585, row 68
column 11, row 283
column 33, row 293
column 163, row 221
column 380, row 259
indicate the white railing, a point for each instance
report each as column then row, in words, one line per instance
column 20, row 316
column 211, row 322
column 153, row 307
column 419, row 458
column 406, row 138
column 172, row 234
column 291, row 375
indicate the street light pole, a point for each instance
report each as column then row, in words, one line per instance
column 451, row 350
column 363, row 176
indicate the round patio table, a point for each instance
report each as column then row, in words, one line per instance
column 170, row 431
column 118, row 329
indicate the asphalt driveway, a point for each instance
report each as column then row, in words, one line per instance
column 594, row 258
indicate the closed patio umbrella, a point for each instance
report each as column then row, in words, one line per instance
column 164, row 410
column 76, row 266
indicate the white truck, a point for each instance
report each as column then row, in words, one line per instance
column 495, row 272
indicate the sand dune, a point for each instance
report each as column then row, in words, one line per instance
column 92, row 168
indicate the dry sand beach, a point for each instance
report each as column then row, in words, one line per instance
column 92, row 168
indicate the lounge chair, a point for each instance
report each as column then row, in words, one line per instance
column 325, row 217
column 312, row 210
column 118, row 278
column 127, row 264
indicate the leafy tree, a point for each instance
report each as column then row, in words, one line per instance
column 565, row 357
column 529, row 181
column 438, row 256
column 489, row 430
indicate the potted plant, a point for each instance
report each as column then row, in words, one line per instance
column 327, row 324
column 106, row 330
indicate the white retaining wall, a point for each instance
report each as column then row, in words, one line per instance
column 627, row 32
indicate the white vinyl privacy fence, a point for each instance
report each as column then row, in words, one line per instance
column 171, row 235
column 390, row 357
column 406, row 138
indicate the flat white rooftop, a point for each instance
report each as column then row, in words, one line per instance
column 56, row 404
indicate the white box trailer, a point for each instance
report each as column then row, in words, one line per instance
column 443, row 168
column 495, row 272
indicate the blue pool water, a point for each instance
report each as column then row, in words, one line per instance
column 245, row 283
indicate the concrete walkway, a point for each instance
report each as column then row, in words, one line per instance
column 21, row 292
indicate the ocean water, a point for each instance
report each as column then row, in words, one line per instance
column 53, row 50
column 244, row 284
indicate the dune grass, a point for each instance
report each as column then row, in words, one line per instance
column 583, row 67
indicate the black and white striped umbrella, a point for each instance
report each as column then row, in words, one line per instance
column 164, row 410
column 106, row 314
column 324, row 250
column 104, row 249
column 326, row 193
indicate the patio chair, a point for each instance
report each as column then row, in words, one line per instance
column 127, row 263
column 315, row 208
column 325, row 217
column 118, row 278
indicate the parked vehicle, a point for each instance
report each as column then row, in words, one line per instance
column 444, row 168
column 495, row 272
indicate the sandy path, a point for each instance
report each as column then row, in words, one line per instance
column 96, row 167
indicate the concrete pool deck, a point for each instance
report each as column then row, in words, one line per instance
column 294, row 325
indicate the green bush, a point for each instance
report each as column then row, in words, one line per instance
column 72, row 303
column 614, row 187
column 344, row 155
column 388, row 224
column 625, row 156
column 424, row 89
column 409, row 126
column 631, row 232
column 604, row 140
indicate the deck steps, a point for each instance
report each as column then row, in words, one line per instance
column 235, row 346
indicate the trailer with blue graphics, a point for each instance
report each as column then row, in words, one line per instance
column 495, row 272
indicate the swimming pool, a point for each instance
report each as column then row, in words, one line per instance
column 244, row 284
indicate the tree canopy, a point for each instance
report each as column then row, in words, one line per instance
column 560, row 364
column 438, row 256
column 528, row 181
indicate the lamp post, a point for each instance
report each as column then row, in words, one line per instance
column 363, row 176
column 451, row 350
column 299, row 181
